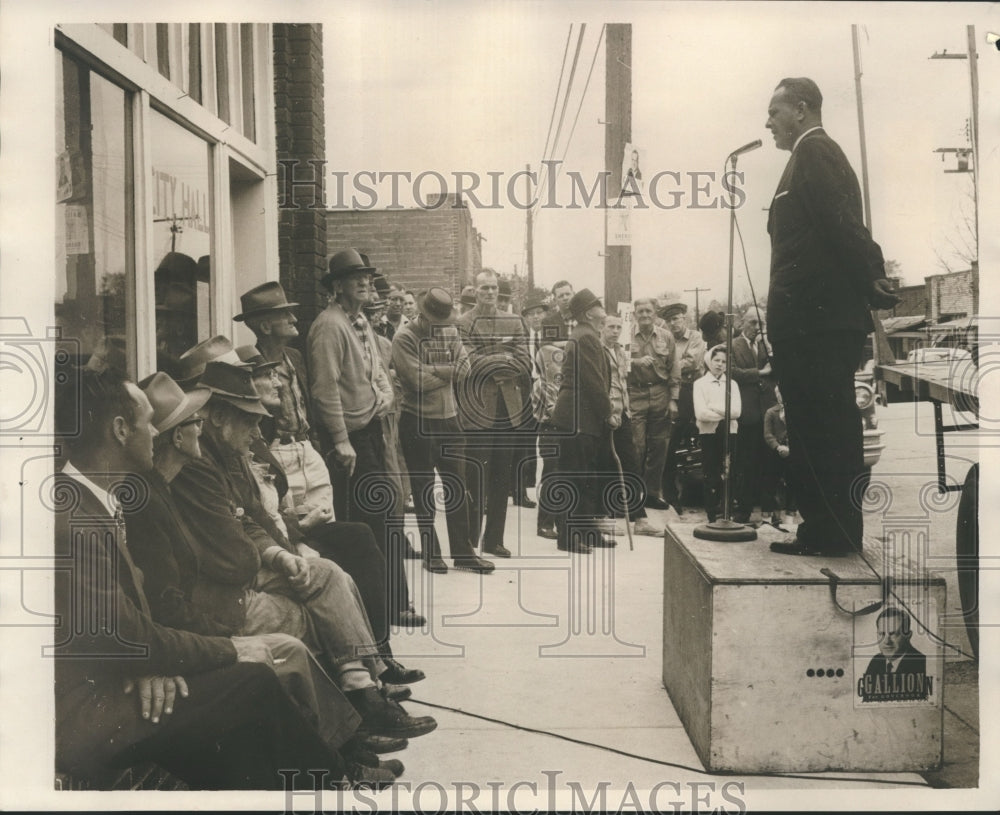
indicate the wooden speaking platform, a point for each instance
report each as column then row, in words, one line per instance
column 768, row 675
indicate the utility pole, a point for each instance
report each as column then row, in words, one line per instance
column 697, row 311
column 618, row 131
column 531, row 236
column 861, row 127
column 882, row 352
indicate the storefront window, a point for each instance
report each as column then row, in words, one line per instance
column 182, row 239
column 94, row 236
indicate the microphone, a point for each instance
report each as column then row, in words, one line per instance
column 746, row 148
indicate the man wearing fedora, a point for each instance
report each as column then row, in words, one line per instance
column 583, row 409
column 429, row 358
column 493, row 401
column 206, row 706
column 267, row 312
column 350, row 394
column 254, row 579
column 689, row 365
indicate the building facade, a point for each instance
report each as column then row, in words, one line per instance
column 168, row 140
column 416, row 248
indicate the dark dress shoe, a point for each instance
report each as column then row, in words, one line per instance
column 474, row 563
column 410, row 619
column 576, row 546
column 524, row 501
column 380, row 744
column 497, row 551
column 385, row 717
column 436, row 565
column 653, row 502
column 397, row 693
column 397, row 674
column 797, row 547
column 548, row 532
column 360, row 777
column 354, row 752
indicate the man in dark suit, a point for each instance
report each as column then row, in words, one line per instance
column 583, row 408
column 826, row 273
column 493, row 400
column 899, row 672
column 226, row 723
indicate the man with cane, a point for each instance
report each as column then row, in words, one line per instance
column 583, row 408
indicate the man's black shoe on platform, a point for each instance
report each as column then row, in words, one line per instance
column 803, row 549
column 497, row 551
column 396, row 674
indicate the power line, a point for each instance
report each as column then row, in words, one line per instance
column 555, row 101
column 569, row 86
column 583, row 96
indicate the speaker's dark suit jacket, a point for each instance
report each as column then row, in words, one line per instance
column 823, row 257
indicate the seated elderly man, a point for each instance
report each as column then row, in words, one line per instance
column 163, row 547
column 350, row 545
column 253, row 579
column 208, row 708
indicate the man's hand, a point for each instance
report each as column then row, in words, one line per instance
column 614, row 422
column 783, row 450
column 673, row 410
column 156, row 694
column 345, row 456
column 295, row 568
column 313, row 516
column 381, row 406
column 881, row 296
column 252, row 649
column 766, row 370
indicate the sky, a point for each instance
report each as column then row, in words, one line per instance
column 449, row 87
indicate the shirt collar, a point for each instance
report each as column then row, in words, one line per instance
column 802, row 136
column 107, row 500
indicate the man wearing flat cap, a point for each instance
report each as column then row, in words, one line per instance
column 583, row 408
column 350, row 395
column 689, row 365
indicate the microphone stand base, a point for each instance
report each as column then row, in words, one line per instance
column 725, row 531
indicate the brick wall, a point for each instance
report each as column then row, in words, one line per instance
column 301, row 138
column 951, row 295
column 417, row 248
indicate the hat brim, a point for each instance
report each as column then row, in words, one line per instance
column 193, row 401
column 242, row 403
column 581, row 311
column 669, row 311
column 340, row 274
column 256, row 311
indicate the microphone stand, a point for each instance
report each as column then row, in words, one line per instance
column 724, row 529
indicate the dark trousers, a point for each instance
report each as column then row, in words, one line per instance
column 367, row 496
column 582, row 484
column 438, row 444
column 235, row 730
column 635, row 490
column 776, row 491
column 816, row 376
column 747, row 469
column 353, row 548
column 524, row 461
column 712, row 468
column 681, row 431
column 488, row 471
